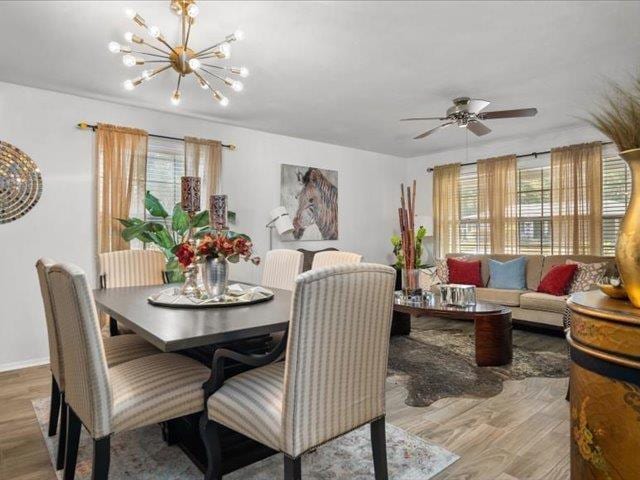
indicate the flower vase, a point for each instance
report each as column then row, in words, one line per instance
column 411, row 283
column 190, row 286
column 215, row 277
column 628, row 245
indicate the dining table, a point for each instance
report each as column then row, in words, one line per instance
column 197, row 333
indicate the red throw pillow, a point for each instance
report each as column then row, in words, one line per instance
column 558, row 280
column 466, row 272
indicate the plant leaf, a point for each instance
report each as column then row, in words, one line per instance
column 200, row 219
column 235, row 258
column 128, row 222
column 179, row 220
column 154, row 207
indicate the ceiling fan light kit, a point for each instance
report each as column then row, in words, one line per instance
column 467, row 112
column 181, row 58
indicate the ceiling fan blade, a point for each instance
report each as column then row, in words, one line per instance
column 475, row 105
column 422, row 118
column 429, row 132
column 478, row 128
column 520, row 112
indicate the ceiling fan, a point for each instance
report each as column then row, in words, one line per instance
column 467, row 112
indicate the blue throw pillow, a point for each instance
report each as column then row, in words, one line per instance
column 508, row 275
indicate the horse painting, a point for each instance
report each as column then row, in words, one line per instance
column 315, row 202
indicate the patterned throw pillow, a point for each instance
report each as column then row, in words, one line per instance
column 442, row 270
column 428, row 278
column 588, row 275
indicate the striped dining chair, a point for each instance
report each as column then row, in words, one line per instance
column 331, row 258
column 281, row 267
column 140, row 392
column 130, row 268
column 117, row 350
column 325, row 387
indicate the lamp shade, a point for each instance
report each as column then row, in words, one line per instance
column 282, row 220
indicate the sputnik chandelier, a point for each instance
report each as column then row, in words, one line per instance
column 181, row 58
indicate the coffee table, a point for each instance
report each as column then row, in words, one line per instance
column 492, row 326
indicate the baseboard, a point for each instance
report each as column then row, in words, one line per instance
column 25, row 364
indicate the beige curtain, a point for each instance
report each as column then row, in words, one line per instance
column 121, row 175
column 446, row 209
column 576, row 199
column 497, row 204
column 203, row 158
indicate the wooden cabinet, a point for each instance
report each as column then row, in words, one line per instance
column 605, row 388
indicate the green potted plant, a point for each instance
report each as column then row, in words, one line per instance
column 167, row 234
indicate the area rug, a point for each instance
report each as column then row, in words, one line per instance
column 142, row 454
column 437, row 360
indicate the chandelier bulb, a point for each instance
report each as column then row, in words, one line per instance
column 242, row 71
column 237, row 85
column 128, row 36
column 130, row 13
column 128, row 85
column 114, row 47
column 175, row 98
column 193, row 10
column 129, row 60
column 236, row 36
column 223, row 50
column 154, row 31
column 147, row 74
column 203, row 84
column 195, row 64
column 224, row 101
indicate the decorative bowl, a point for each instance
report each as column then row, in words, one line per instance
column 614, row 292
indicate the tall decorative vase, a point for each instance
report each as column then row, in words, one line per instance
column 628, row 246
column 216, row 277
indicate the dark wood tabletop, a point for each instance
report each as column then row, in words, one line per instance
column 436, row 308
column 171, row 329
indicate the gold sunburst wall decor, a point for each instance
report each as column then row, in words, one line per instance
column 20, row 183
column 158, row 56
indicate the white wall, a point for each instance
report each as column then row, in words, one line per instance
column 62, row 225
column 417, row 166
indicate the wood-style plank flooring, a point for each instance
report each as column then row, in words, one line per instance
column 522, row 433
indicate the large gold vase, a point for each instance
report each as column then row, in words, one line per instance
column 628, row 246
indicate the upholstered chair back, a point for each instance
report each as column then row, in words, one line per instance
column 329, row 259
column 57, row 366
column 132, row 268
column 281, row 267
column 87, row 389
column 337, row 351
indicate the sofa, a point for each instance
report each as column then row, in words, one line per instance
column 528, row 306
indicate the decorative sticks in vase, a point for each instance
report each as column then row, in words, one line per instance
column 406, row 215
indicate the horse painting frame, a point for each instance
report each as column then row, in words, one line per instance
column 310, row 195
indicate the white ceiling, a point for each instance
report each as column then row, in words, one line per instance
column 345, row 72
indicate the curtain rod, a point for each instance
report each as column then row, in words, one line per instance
column 524, row 155
column 86, row 126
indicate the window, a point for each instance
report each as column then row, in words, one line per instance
column 534, row 205
column 616, row 190
column 534, row 208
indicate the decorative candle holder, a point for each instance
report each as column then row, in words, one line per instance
column 190, row 194
column 218, row 211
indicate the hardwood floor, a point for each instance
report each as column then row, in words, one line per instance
column 522, row 433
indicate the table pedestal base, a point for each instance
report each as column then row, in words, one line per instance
column 493, row 339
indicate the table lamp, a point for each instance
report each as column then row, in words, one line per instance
column 281, row 221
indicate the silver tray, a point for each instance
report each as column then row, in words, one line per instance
column 171, row 298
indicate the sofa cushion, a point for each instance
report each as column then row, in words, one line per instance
column 558, row 280
column 501, row 296
column 464, row 272
column 588, row 275
column 509, row 275
column 543, row 301
column 533, row 268
column 552, row 260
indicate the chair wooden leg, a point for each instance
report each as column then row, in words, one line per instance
column 113, row 327
column 55, row 407
column 292, row 468
column 209, row 435
column 379, row 447
column 101, row 458
column 73, row 441
column 62, row 439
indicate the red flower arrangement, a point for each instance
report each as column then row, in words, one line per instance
column 225, row 245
